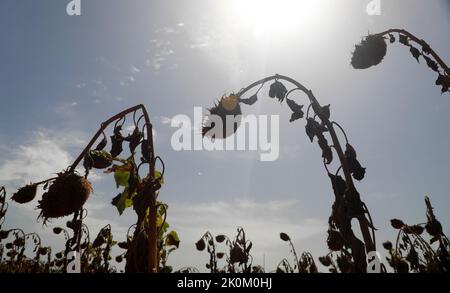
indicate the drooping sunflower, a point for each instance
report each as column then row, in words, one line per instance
column 370, row 52
column 226, row 106
column 25, row 194
column 67, row 194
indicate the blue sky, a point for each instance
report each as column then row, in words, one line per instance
column 61, row 76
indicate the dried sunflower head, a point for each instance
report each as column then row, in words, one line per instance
column 100, row 159
column 370, row 52
column 335, row 240
column 227, row 106
column 25, row 194
column 67, row 194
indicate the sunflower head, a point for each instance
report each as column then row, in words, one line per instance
column 66, row 195
column 226, row 106
column 25, row 194
column 370, row 52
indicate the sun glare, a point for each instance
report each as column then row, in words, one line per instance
column 275, row 16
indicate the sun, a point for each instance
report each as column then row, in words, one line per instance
column 275, row 16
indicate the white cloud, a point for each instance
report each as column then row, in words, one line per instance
column 134, row 69
column 199, row 45
column 162, row 49
column 43, row 155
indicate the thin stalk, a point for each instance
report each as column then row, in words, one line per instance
column 152, row 229
column 422, row 43
column 363, row 223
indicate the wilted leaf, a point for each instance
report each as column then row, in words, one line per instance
column 135, row 139
column 326, row 111
column 294, row 106
column 102, row 144
column 116, row 145
column 443, row 81
column 250, row 101
column 426, row 48
column 88, row 162
column 431, row 63
column 325, row 260
column 296, row 116
column 415, row 52
column 339, row 185
column 404, row 40
column 391, row 38
column 122, row 201
column 172, row 239
column 278, row 90
column 145, row 151
column 200, row 245
column 313, row 128
column 327, row 153
column 296, row 109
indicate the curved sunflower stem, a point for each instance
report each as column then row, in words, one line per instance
column 420, row 42
column 152, row 227
column 363, row 222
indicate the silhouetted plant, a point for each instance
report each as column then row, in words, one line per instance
column 372, row 49
column 66, row 194
column 238, row 258
column 304, row 264
column 412, row 252
column 348, row 204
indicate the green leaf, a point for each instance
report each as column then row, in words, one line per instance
column 124, row 201
column 173, row 239
column 121, row 178
column 158, row 176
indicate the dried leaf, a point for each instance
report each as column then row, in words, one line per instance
column 296, row 116
column 404, row 40
column 278, row 90
column 102, row 144
column 443, row 81
column 249, row 101
column 294, row 106
column 135, row 139
column 313, row 128
column 391, row 38
column 431, row 63
column 415, row 52
column 116, row 148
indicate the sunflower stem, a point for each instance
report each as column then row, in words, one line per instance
column 363, row 222
column 420, row 42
